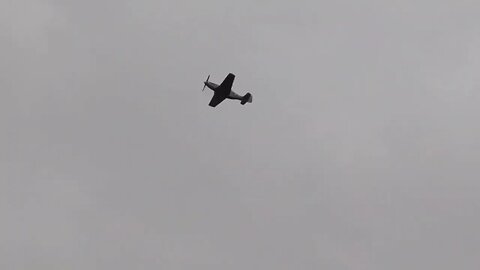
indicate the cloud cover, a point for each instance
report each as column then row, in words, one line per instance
column 360, row 150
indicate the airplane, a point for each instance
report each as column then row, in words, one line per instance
column 224, row 90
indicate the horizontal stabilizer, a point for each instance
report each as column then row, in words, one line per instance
column 246, row 98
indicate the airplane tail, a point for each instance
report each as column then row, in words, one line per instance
column 246, row 98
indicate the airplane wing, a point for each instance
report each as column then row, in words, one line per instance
column 228, row 82
column 216, row 99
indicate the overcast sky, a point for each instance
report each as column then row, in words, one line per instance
column 361, row 149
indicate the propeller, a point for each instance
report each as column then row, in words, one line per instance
column 205, row 83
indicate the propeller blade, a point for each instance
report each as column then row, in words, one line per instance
column 205, row 83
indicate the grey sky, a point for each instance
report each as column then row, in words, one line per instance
column 361, row 149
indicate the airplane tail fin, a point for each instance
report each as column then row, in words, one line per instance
column 246, row 98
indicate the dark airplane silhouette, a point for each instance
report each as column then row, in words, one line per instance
column 224, row 90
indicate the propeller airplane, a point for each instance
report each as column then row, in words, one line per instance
column 224, row 91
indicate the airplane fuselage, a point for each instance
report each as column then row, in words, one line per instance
column 229, row 95
column 211, row 85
